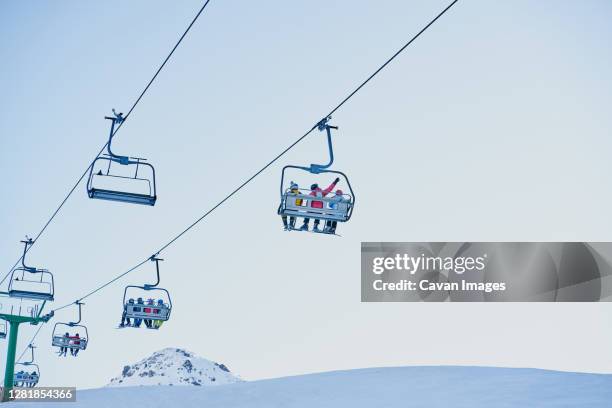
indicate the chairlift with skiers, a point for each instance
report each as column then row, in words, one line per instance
column 146, row 308
column 66, row 337
column 24, row 378
column 121, row 178
column 315, row 203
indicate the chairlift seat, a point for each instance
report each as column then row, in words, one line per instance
column 144, row 311
column 332, row 210
column 121, row 196
column 27, row 379
column 25, row 294
column 68, row 342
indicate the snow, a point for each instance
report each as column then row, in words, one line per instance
column 432, row 387
column 174, row 366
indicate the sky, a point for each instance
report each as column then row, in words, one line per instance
column 493, row 126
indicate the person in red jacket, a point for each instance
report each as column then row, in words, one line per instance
column 316, row 191
column 75, row 340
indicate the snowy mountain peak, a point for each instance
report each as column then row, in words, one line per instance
column 174, row 366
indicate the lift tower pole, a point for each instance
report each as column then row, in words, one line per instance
column 14, row 322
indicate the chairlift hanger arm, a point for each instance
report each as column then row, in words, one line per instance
column 116, row 119
column 317, row 168
column 26, row 243
column 156, row 260
column 31, row 347
column 78, row 303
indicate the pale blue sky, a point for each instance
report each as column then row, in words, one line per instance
column 495, row 125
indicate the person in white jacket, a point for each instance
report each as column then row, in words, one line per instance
column 330, row 226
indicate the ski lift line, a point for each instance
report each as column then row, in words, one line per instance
column 163, row 64
column 99, row 288
column 193, row 224
column 241, row 186
column 57, row 210
column 383, row 66
column 325, row 118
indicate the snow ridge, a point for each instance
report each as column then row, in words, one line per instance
column 174, row 366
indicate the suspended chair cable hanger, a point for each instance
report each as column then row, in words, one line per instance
column 153, row 312
column 66, row 337
column 102, row 184
column 87, row 170
column 298, row 202
column 23, row 284
column 267, row 165
column 24, row 378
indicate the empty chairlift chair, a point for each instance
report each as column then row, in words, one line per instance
column 71, row 335
column 296, row 202
column 121, row 178
column 148, row 308
column 27, row 374
column 2, row 330
column 31, row 283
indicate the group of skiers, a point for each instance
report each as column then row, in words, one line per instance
column 316, row 191
column 149, row 323
column 73, row 343
column 25, row 379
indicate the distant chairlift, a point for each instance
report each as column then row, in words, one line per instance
column 153, row 311
column 30, row 283
column 63, row 336
column 121, row 178
column 298, row 204
column 22, row 376
column 2, row 330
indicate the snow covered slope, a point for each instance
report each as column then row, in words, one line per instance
column 428, row 387
column 173, row 366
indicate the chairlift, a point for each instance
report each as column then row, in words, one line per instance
column 24, row 378
column 3, row 330
column 297, row 202
column 121, row 178
column 30, row 283
column 66, row 335
column 150, row 310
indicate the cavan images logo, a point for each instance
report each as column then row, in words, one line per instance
column 486, row 272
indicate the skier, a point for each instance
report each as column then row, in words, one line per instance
column 148, row 322
column 76, row 341
column 66, row 340
column 124, row 317
column 33, row 379
column 294, row 189
column 315, row 191
column 158, row 322
column 20, row 375
column 330, row 226
column 137, row 321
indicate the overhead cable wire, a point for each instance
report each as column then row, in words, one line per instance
column 268, row 164
column 144, row 91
